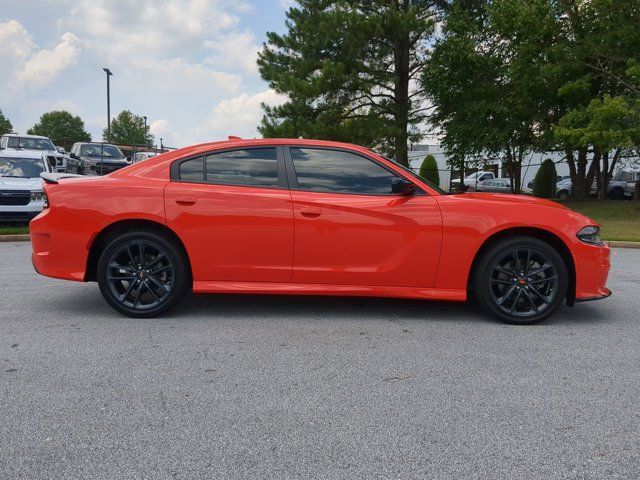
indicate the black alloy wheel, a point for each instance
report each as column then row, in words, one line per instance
column 141, row 274
column 521, row 280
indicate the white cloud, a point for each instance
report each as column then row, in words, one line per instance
column 237, row 49
column 26, row 67
column 238, row 116
column 159, row 127
column 46, row 65
column 150, row 28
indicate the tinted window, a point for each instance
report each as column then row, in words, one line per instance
column 252, row 167
column 336, row 171
column 192, row 170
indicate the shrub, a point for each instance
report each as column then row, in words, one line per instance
column 429, row 170
column 544, row 185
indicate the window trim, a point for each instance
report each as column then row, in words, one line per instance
column 292, row 175
column 282, row 176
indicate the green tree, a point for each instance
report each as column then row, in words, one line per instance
column 509, row 76
column 348, row 68
column 429, row 169
column 544, row 184
column 63, row 128
column 128, row 129
column 5, row 124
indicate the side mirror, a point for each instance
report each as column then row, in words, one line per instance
column 61, row 150
column 400, row 186
column 73, row 155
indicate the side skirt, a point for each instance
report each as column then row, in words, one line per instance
column 328, row 289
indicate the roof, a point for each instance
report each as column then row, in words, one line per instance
column 35, row 154
column 24, row 136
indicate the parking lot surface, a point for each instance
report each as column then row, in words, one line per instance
column 299, row 387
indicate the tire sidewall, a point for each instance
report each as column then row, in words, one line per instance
column 482, row 285
column 170, row 249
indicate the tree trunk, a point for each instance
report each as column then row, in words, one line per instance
column 402, row 60
column 604, row 183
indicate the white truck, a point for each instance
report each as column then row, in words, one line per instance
column 42, row 145
column 21, row 193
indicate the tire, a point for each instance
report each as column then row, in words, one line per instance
column 563, row 194
column 147, row 285
column 616, row 194
column 513, row 297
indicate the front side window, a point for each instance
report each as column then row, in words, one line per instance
column 341, row 172
column 251, row 167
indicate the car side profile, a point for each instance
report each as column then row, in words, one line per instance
column 308, row 217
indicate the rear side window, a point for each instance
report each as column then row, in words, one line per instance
column 341, row 172
column 250, row 167
column 192, row 170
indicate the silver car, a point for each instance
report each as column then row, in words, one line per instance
column 497, row 185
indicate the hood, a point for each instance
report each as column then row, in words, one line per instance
column 511, row 199
column 10, row 183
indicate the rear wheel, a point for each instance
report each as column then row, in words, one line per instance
column 520, row 280
column 142, row 274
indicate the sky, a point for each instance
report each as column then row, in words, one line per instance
column 188, row 65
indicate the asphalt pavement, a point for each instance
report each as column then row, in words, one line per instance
column 299, row 387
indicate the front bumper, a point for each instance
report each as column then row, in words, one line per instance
column 104, row 169
column 20, row 213
column 592, row 263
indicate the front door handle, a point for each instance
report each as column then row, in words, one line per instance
column 311, row 212
column 186, row 201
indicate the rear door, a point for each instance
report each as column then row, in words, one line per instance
column 351, row 230
column 233, row 211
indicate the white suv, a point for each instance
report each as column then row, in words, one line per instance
column 21, row 192
column 35, row 143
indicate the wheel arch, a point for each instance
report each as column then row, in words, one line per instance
column 101, row 240
column 546, row 236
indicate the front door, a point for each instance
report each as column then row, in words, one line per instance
column 233, row 212
column 351, row 230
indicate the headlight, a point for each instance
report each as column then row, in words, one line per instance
column 590, row 235
column 40, row 196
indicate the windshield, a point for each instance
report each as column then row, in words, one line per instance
column 414, row 174
column 106, row 151
column 21, row 167
column 473, row 176
column 30, row 143
column 623, row 177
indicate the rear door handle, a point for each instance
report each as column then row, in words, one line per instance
column 185, row 201
column 311, row 212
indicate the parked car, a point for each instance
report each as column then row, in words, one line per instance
column 21, row 192
column 563, row 189
column 624, row 184
column 497, row 185
column 98, row 158
column 141, row 156
column 220, row 217
column 38, row 144
column 559, row 178
column 473, row 179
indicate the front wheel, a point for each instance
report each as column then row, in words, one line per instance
column 520, row 280
column 142, row 274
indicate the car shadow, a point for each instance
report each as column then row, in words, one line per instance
column 243, row 306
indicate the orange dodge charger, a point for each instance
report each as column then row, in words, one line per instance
column 308, row 217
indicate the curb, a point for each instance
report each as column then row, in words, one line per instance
column 611, row 243
column 623, row 244
column 15, row 238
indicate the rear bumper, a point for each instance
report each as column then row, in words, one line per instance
column 57, row 252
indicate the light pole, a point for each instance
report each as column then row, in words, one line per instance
column 109, row 74
column 145, row 129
